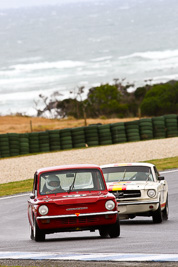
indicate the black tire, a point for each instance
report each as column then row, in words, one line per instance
column 170, row 116
column 91, row 130
column 92, row 143
column 93, row 134
column 108, row 142
column 117, row 124
column 104, row 232
column 92, row 139
column 38, row 235
column 103, row 133
column 104, row 127
column 79, row 145
column 66, row 139
column 54, row 143
column 116, row 132
column 5, row 155
column 69, row 146
column 114, row 230
column 121, row 136
column 132, row 131
column 54, row 137
column 77, row 133
column 105, row 138
column 66, row 143
column 31, row 233
column 133, row 139
column 166, row 210
column 55, row 148
column 146, row 137
column 157, row 215
column 79, row 139
column 119, row 141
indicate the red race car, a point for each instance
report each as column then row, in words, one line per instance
column 71, row 198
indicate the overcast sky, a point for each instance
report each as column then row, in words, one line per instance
column 27, row 3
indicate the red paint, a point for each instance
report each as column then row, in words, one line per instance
column 71, row 205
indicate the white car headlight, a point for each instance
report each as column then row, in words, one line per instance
column 151, row 193
column 43, row 210
column 110, row 205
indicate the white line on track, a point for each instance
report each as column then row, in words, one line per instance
column 14, row 196
column 169, row 171
column 89, row 257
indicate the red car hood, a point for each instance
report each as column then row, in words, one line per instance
column 75, row 198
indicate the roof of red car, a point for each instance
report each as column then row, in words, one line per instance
column 68, row 167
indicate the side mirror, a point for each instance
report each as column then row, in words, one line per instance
column 32, row 196
column 160, row 178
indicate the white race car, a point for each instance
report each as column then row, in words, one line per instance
column 139, row 190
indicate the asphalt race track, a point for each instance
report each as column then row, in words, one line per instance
column 140, row 239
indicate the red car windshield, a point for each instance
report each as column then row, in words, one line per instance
column 71, row 180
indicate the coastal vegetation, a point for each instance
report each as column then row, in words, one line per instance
column 117, row 100
column 104, row 104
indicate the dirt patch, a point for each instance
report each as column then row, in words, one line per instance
column 21, row 124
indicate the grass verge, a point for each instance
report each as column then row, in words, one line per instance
column 16, row 187
column 165, row 164
column 26, row 185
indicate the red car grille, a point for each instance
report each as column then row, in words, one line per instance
column 78, row 220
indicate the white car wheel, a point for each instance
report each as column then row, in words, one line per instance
column 166, row 210
column 157, row 215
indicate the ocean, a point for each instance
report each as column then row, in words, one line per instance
column 60, row 47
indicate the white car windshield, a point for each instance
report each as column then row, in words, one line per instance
column 71, row 180
column 127, row 173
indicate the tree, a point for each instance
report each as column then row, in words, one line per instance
column 69, row 107
column 104, row 100
column 140, row 93
column 78, row 94
column 48, row 104
column 62, row 108
column 161, row 99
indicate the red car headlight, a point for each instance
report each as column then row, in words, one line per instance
column 43, row 210
column 110, row 205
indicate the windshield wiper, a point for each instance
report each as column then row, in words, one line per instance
column 72, row 185
column 148, row 176
column 124, row 175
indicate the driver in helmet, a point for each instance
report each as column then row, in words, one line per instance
column 141, row 176
column 52, row 185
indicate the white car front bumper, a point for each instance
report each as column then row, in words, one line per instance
column 136, row 207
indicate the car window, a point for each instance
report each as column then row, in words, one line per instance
column 72, row 180
column 127, row 173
